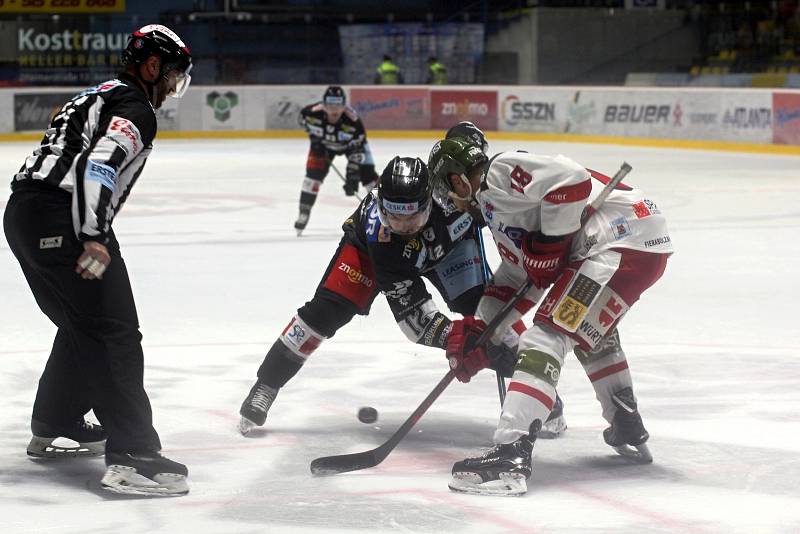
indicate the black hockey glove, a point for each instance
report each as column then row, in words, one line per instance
column 502, row 358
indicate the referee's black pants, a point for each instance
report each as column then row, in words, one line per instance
column 96, row 361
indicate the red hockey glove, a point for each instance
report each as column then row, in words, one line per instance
column 544, row 261
column 465, row 358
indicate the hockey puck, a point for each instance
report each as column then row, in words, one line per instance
column 367, row 414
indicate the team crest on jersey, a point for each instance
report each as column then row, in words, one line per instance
column 573, row 307
column 620, row 228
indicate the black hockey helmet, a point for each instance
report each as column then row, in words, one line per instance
column 404, row 195
column 334, row 96
column 158, row 40
column 470, row 132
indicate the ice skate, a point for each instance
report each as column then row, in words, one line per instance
column 503, row 470
column 255, row 407
column 555, row 425
column 87, row 439
column 627, row 434
column 146, row 473
column 302, row 220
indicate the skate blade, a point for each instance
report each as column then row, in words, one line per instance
column 553, row 429
column 639, row 454
column 126, row 481
column 44, row 448
column 509, row 485
column 245, row 426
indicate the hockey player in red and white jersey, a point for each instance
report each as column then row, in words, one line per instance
column 598, row 265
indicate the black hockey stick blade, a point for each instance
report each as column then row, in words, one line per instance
column 342, row 463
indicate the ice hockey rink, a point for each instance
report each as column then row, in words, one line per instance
column 218, row 271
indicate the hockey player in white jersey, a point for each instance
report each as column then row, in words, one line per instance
column 598, row 265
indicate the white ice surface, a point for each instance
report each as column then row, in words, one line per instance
column 217, row 273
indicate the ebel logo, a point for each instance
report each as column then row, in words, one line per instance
column 748, row 118
column 30, row 41
column 514, row 111
column 648, row 114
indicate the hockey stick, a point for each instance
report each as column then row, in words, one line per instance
column 487, row 274
column 337, row 171
column 342, row 463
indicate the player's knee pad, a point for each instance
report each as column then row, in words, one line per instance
column 300, row 338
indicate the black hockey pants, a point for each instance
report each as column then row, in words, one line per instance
column 96, row 361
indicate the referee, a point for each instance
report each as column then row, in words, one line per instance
column 58, row 224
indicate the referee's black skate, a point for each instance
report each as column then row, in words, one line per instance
column 88, row 440
column 255, row 407
column 502, row 470
column 144, row 473
column 627, row 434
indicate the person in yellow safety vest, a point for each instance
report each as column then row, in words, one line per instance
column 437, row 73
column 388, row 73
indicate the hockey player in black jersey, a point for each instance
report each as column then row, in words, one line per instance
column 397, row 236
column 58, row 225
column 334, row 129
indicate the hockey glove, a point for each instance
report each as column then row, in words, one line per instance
column 543, row 257
column 464, row 357
column 502, row 358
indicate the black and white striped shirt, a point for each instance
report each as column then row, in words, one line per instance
column 95, row 148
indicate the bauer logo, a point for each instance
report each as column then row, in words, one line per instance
column 647, row 114
column 222, row 104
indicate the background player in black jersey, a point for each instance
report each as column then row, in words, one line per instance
column 396, row 236
column 334, row 129
column 58, row 224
